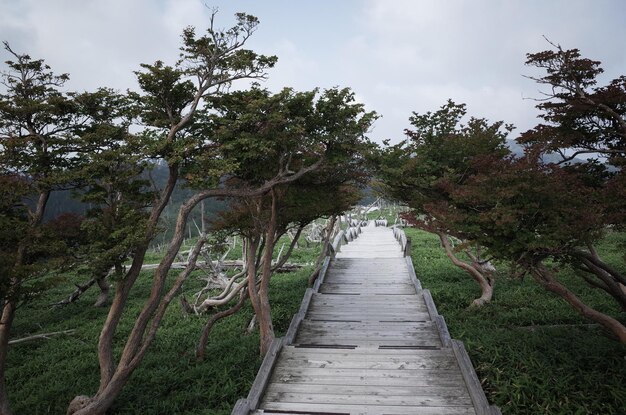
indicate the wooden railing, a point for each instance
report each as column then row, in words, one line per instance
column 405, row 241
column 342, row 238
column 380, row 222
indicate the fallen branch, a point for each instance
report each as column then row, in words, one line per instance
column 204, row 337
column 40, row 336
column 237, row 263
column 557, row 326
column 80, row 289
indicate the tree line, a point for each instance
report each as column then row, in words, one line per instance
column 279, row 160
column 540, row 211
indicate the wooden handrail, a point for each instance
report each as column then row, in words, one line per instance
column 404, row 240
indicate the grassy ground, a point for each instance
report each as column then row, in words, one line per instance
column 533, row 352
column 44, row 375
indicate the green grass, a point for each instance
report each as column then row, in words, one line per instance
column 532, row 351
column 44, row 375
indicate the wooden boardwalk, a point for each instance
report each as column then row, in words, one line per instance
column 367, row 340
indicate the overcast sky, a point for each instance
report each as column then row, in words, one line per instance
column 398, row 56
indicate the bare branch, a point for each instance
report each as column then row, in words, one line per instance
column 41, row 336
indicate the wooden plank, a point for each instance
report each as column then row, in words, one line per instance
column 383, row 289
column 378, row 373
column 372, row 260
column 371, row 251
column 363, row 307
column 377, row 307
column 364, row 354
column 353, row 343
column 332, row 409
column 427, row 362
column 323, row 273
column 366, row 264
column 356, row 310
column 454, row 391
column 379, row 333
column 358, row 351
column 370, row 279
column 294, row 325
column 372, row 341
column 368, row 298
column 380, row 329
column 310, row 331
column 398, row 325
column 416, row 317
column 373, row 271
column 367, row 399
column 263, row 375
column 436, row 380
column 374, row 300
column 372, row 284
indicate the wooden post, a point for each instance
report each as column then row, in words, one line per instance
column 242, row 407
column 263, row 376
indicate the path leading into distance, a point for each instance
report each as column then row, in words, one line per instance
column 370, row 342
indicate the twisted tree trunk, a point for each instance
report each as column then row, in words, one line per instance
column 485, row 282
column 262, row 307
column 544, row 276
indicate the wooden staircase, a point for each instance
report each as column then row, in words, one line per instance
column 367, row 340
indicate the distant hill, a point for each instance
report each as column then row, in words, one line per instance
column 65, row 201
column 518, row 151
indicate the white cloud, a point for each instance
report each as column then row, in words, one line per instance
column 293, row 69
column 398, row 56
column 99, row 43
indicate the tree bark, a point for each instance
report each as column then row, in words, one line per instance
column 486, row 284
column 608, row 284
column 6, row 321
column 264, row 312
column 251, row 250
column 103, row 297
column 543, row 276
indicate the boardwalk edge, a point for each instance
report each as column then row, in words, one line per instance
column 477, row 394
column 244, row 406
